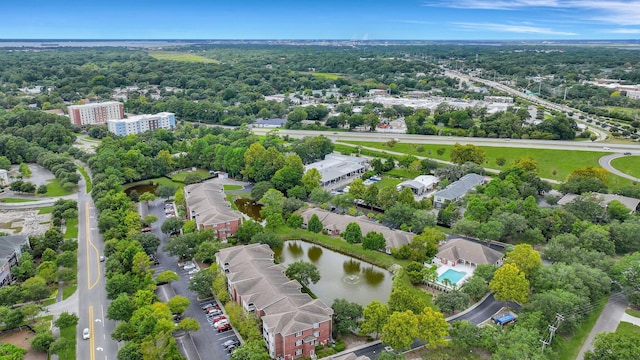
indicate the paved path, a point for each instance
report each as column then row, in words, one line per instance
column 608, row 321
column 605, row 162
column 630, row 319
column 69, row 305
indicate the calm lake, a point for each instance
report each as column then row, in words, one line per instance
column 340, row 276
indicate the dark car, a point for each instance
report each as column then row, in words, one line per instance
column 627, row 153
column 231, row 343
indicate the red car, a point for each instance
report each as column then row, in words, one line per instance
column 218, row 318
column 224, row 327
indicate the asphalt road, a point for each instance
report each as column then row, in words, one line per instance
column 451, row 140
column 93, row 303
column 605, row 162
column 208, row 341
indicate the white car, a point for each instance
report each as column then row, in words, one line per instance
column 85, row 334
column 221, row 322
column 194, row 271
column 189, row 266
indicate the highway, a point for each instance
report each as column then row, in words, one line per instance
column 451, row 140
column 93, row 303
column 602, row 135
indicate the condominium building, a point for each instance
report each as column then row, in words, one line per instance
column 141, row 123
column 95, row 114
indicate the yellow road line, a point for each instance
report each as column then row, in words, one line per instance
column 87, row 230
column 92, row 334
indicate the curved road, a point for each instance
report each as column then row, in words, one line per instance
column 605, row 162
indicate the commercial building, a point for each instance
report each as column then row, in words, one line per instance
column 11, row 248
column 293, row 323
column 96, row 113
column 208, row 206
column 456, row 190
column 419, row 185
column 337, row 167
column 335, row 224
column 141, row 123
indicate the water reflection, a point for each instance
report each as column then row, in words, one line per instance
column 372, row 276
column 355, row 281
column 294, row 249
column 314, row 253
column 351, row 266
column 250, row 208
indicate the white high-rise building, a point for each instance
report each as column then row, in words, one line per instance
column 141, row 123
column 95, row 114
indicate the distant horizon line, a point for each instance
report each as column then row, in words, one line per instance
column 313, row 40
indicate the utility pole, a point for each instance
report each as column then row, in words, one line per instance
column 552, row 330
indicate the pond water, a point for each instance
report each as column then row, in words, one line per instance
column 250, row 208
column 140, row 189
column 341, row 277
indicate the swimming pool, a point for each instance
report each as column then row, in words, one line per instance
column 452, row 275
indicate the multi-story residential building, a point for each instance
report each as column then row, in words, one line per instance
column 208, row 206
column 293, row 323
column 11, row 247
column 95, row 114
column 456, row 190
column 141, row 123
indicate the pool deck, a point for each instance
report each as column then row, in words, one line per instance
column 442, row 268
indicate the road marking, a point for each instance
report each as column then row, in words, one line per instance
column 87, row 230
column 92, row 343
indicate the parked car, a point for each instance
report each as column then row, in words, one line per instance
column 214, row 312
column 206, row 306
column 221, row 322
column 194, row 271
column 189, row 266
column 231, row 343
column 86, row 334
column 218, row 318
column 223, row 327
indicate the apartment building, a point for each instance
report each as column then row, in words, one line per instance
column 293, row 323
column 207, row 205
column 140, row 123
column 95, row 114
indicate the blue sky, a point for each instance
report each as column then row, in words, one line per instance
column 321, row 19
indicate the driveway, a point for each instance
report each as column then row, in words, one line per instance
column 608, row 321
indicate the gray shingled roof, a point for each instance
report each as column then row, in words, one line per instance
column 605, row 199
column 460, row 187
column 461, row 249
column 394, row 238
column 259, row 281
column 208, row 203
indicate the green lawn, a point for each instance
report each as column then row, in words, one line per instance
column 181, row 175
column 553, row 164
column 387, row 181
column 45, row 210
column 626, row 328
column 326, row 76
column 68, row 290
column 403, row 173
column 159, row 181
column 54, row 188
column 232, row 187
column 568, row 348
column 72, row 228
column 633, row 312
column 69, row 353
column 87, row 179
column 179, row 56
column 450, row 352
column 15, row 200
column 628, row 165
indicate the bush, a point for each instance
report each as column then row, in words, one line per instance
column 42, row 189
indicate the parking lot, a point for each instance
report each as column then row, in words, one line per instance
column 208, row 341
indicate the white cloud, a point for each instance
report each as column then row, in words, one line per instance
column 620, row 12
column 625, row 31
column 493, row 5
column 521, row 29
